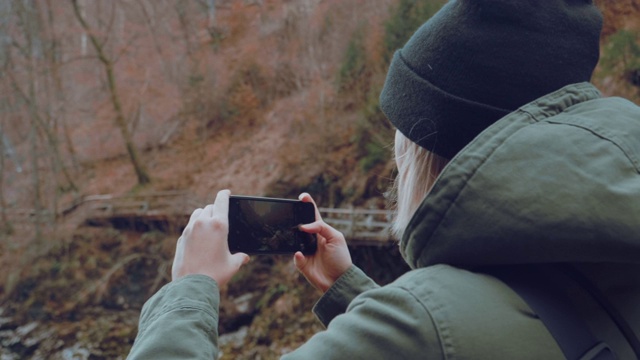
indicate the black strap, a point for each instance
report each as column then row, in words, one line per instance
column 537, row 285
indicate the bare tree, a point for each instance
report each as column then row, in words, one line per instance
column 151, row 23
column 4, row 41
column 120, row 119
column 52, row 54
column 192, row 91
column 6, row 225
column 34, row 92
column 211, row 10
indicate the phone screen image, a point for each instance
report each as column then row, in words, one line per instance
column 269, row 226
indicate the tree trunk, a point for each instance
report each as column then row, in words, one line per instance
column 107, row 63
column 35, row 181
column 50, row 135
column 6, row 226
column 140, row 169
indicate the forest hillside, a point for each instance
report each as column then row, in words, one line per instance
column 135, row 98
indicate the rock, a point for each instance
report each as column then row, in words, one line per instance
column 5, row 355
column 7, row 323
column 24, row 330
column 244, row 302
column 76, row 352
column 237, row 312
column 235, row 339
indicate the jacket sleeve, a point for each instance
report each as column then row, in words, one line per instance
column 381, row 323
column 336, row 300
column 180, row 321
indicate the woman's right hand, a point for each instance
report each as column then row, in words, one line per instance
column 332, row 258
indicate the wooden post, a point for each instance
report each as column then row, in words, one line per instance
column 352, row 225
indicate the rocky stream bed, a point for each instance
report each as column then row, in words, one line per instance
column 81, row 299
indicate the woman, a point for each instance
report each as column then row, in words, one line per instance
column 542, row 188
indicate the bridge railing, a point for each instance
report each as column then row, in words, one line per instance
column 360, row 225
column 167, row 202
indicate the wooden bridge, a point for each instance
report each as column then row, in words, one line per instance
column 171, row 210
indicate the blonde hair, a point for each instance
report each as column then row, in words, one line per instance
column 418, row 169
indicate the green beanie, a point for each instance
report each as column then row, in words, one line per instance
column 475, row 61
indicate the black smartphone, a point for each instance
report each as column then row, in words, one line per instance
column 259, row 225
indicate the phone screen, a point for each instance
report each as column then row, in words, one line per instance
column 260, row 225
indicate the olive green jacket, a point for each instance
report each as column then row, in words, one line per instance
column 557, row 181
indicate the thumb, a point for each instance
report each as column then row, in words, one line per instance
column 321, row 228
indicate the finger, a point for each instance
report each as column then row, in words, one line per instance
column 194, row 215
column 321, row 228
column 208, row 211
column 221, row 205
column 305, row 197
column 299, row 260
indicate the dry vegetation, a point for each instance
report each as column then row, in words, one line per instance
column 265, row 97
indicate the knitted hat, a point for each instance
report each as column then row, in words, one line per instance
column 475, row 61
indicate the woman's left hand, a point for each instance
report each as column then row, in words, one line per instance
column 332, row 258
column 203, row 247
